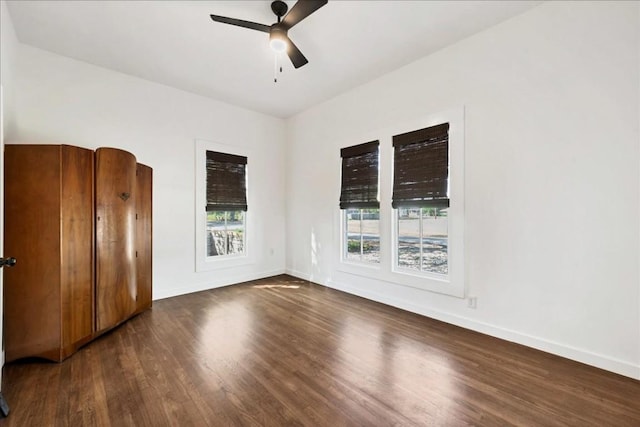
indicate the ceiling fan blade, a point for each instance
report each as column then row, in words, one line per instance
column 301, row 10
column 296, row 57
column 241, row 23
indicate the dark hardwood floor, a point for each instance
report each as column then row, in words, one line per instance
column 285, row 352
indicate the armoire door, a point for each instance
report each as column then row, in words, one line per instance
column 49, row 228
column 76, row 248
column 143, row 235
column 115, row 196
column 32, row 235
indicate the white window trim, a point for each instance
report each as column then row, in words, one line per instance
column 208, row 263
column 453, row 284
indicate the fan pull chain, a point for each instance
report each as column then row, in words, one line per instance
column 277, row 66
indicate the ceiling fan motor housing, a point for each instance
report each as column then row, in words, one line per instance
column 279, row 8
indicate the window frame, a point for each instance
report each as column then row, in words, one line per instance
column 226, row 232
column 386, row 271
column 415, row 136
column 346, row 204
column 344, row 242
column 452, row 283
column 396, row 246
column 203, row 262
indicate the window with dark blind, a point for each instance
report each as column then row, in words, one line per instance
column 226, row 182
column 420, row 241
column 359, row 203
column 226, row 192
column 360, row 176
column 421, row 168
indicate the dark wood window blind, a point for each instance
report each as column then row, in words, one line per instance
column 226, row 182
column 360, row 176
column 421, row 168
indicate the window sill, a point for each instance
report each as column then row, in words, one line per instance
column 421, row 275
column 425, row 282
column 222, row 262
column 347, row 265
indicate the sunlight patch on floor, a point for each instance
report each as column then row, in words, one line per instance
column 276, row 286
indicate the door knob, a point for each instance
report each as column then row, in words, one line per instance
column 8, row 262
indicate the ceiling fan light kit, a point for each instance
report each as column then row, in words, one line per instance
column 278, row 38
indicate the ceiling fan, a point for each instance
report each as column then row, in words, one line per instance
column 278, row 38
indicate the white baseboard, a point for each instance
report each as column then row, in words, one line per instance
column 298, row 274
column 212, row 284
column 600, row 361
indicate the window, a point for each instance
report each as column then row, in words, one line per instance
column 421, row 200
column 226, row 191
column 225, row 232
column 360, row 204
column 422, row 240
column 362, row 235
column 412, row 234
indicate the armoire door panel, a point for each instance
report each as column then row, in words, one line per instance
column 143, row 236
column 77, row 248
column 115, row 187
column 32, row 236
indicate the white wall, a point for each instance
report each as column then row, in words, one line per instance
column 60, row 100
column 552, row 167
column 8, row 52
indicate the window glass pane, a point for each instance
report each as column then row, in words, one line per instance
column 225, row 233
column 409, row 238
column 216, row 234
column 235, row 232
column 435, row 240
column 371, row 235
column 352, row 218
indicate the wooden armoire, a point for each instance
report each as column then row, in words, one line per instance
column 79, row 224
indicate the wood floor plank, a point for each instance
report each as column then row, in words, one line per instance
column 286, row 352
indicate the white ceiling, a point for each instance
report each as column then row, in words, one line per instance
column 175, row 43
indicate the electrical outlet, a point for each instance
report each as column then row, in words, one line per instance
column 472, row 302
